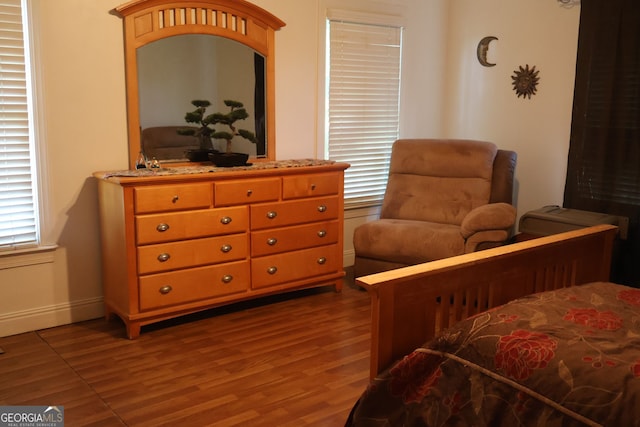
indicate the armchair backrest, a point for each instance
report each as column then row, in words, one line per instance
column 164, row 142
column 441, row 180
column 504, row 169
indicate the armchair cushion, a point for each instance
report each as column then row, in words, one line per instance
column 406, row 241
column 485, row 240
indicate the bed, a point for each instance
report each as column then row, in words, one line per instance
column 505, row 337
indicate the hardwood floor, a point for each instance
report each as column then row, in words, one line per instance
column 294, row 360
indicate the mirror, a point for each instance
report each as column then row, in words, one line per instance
column 174, row 71
column 177, row 52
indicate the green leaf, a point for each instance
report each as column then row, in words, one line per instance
column 203, row 103
column 565, row 374
column 538, row 319
column 476, row 391
column 239, row 114
column 210, row 119
column 186, row 131
column 220, row 118
column 233, row 104
column 193, row 117
column 247, row 135
column 222, row 135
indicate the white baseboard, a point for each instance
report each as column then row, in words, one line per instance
column 51, row 316
column 348, row 257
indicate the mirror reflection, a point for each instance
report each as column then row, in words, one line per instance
column 174, row 71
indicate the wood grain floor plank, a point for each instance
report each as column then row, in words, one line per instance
column 33, row 374
column 293, row 360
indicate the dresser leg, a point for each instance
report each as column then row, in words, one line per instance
column 338, row 285
column 133, row 330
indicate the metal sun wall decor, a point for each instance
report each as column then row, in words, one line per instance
column 525, row 81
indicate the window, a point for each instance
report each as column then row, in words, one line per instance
column 363, row 97
column 18, row 201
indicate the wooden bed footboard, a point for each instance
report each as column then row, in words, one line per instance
column 410, row 305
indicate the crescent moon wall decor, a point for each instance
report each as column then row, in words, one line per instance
column 483, row 48
column 568, row 3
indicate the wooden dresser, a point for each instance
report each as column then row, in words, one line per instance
column 180, row 240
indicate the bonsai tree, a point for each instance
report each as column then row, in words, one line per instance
column 204, row 132
column 237, row 112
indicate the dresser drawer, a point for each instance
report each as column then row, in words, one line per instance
column 294, row 212
column 165, row 227
column 277, row 240
column 228, row 193
column 178, row 287
column 322, row 184
column 191, row 253
column 274, row 269
column 159, row 198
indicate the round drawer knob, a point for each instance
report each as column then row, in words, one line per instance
column 165, row 289
column 227, row 278
column 322, row 260
column 225, row 248
column 175, row 199
column 164, row 257
column 249, row 193
column 272, row 241
column 313, row 186
column 162, row 227
column 272, row 270
column 322, row 208
column 322, row 233
column 225, row 220
column 272, row 214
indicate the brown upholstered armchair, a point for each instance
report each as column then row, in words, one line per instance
column 164, row 142
column 443, row 198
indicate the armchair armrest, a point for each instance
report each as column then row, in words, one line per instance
column 492, row 216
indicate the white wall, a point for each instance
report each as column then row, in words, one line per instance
column 445, row 93
column 83, row 129
column 481, row 102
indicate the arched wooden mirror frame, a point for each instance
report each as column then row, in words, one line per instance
column 146, row 21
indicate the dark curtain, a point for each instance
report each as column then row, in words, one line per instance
column 603, row 173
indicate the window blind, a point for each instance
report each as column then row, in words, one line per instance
column 363, row 105
column 18, row 225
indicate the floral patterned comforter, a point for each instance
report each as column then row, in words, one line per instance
column 569, row 357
